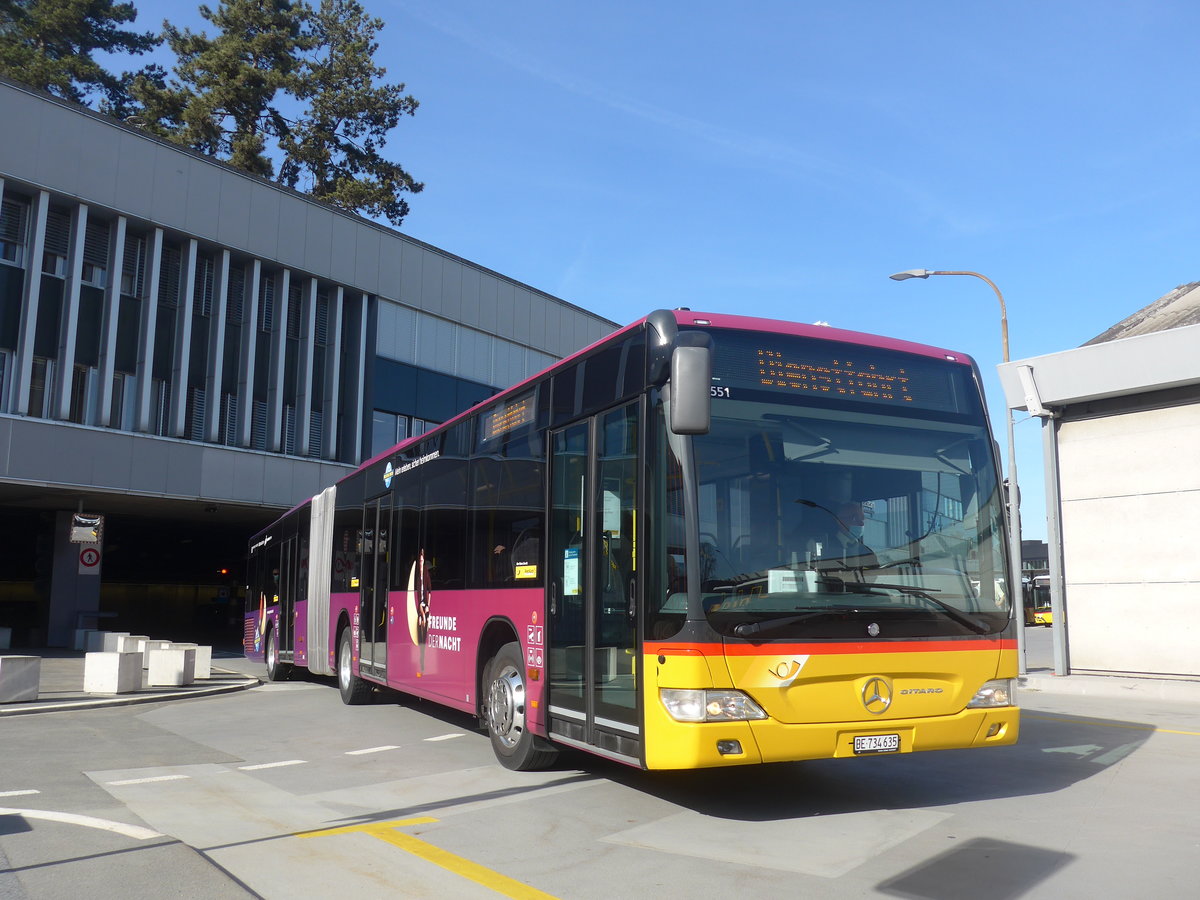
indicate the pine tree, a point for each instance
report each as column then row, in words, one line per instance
column 282, row 81
column 48, row 44
column 225, row 97
column 333, row 149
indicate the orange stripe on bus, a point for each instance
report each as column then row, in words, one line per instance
column 776, row 649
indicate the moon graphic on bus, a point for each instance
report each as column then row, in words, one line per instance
column 411, row 602
column 418, row 599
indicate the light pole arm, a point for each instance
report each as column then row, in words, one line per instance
column 999, row 296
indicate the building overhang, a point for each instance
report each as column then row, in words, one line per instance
column 1135, row 365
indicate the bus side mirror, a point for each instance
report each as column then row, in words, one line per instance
column 691, row 398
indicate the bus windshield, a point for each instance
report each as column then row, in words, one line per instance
column 838, row 519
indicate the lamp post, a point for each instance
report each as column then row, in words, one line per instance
column 1014, row 516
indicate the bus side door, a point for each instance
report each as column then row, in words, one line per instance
column 593, row 588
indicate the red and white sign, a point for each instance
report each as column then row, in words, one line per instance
column 89, row 561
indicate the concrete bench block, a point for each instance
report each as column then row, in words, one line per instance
column 112, row 641
column 5, row 638
column 112, row 672
column 145, row 646
column 95, row 640
column 171, row 666
column 203, row 658
column 129, row 643
column 19, row 678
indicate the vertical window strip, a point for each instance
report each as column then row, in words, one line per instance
column 228, row 425
column 236, row 296
column 58, row 232
column 204, row 286
column 293, row 321
column 168, row 281
column 95, row 244
column 133, row 270
column 13, row 219
column 258, row 426
column 322, row 326
column 266, row 303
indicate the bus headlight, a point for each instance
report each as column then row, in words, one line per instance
column 709, row 706
column 993, row 693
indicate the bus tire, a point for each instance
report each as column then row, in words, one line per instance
column 276, row 670
column 353, row 689
column 515, row 746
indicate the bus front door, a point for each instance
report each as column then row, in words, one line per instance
column 373, row 610
column 593, row 584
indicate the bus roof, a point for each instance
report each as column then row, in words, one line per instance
column 686, row 317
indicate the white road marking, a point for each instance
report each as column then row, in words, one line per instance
column 443, row 737
column 17, row 793
column 149, row 780
column 134, row 831
column 372, row 750
column 274, row 765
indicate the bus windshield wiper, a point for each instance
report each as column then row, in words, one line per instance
column 748, row 629
column 865, row 587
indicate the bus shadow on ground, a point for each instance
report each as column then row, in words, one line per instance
column 1052, row 753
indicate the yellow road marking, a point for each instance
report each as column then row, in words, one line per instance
column 1148, row 728
column 386, row 831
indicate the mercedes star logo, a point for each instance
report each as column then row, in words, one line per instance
column 877, row 695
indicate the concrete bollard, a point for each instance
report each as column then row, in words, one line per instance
column 171, row 666
column 144, row 647
column 112, row 672
column 203, row 659
column 112, row 641
column 19, row 678
column 129, row 643
column 95, row 641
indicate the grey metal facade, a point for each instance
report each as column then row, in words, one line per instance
column 172, row 329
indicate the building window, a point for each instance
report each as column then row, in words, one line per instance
column 205, row 269
column 95, row 253
column 13, row 217
column 58, row 242
column 133, row 272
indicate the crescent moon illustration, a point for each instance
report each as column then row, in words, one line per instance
column 411, row 602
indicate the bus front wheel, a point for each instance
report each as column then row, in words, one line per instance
column 276, row 670
column 504, row 712
column 353, row 689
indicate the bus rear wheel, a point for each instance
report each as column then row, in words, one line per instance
column 276, row 670
column 353, row 689
column 504, row 712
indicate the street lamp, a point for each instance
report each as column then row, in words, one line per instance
column 1014, row 516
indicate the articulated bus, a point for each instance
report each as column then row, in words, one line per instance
column 705, row 540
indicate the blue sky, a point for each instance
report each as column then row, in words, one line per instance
column 783, row 158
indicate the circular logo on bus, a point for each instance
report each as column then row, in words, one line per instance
column 877, row 695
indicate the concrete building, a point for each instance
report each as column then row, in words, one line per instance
column 1121, row 440
column 188, row 351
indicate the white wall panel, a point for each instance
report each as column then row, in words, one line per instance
column 1148, row 628
column 1132, row 539
column 1144, row 452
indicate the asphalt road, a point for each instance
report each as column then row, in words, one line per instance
column 281, row 791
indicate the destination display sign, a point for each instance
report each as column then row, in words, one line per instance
column 836, row 371
column 507, row 416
